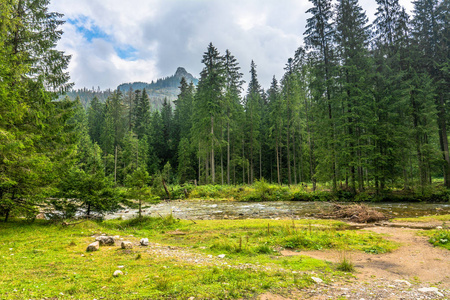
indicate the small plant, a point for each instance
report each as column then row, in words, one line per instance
column 441, row 238
column 375, row 250
column 345, row 264
column 263, row 249
column 139, row 256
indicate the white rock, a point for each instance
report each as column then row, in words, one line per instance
column 126, row 245
column 221, row 256
column 317, row 279
column 117, row 273
column 431, row 289
column 438, row 227
column 93, row 247
column 144, row 242
column 403, row 281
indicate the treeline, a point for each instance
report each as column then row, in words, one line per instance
column 363, row 106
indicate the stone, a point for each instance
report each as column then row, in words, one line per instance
column 126, row 245
column 117, row 273
column 105, row 240
column 144, row 242
column 95, row 246
column 40, row 216
column 317, row 279
column 221, row 256
column 403, row 281
column 431, row 289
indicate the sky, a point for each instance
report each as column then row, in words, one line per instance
column 115, row 41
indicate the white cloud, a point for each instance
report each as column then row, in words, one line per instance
column 171, row 33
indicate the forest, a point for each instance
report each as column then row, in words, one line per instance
column 362, row 107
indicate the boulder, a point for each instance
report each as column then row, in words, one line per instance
column 432, row 290
column 117, row 273
column 95, row 246
column 144, row 242
column 317, row 279
column 105, row 240
column 126, row 245
column 40, row 216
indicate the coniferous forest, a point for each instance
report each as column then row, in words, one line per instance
column 361, row 108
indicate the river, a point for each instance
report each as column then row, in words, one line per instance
column 210, row 210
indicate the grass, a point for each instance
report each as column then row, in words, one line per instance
column 441, row 238
column 425, row 219
column 266, row 191
column 345, row 263
column 44, row 260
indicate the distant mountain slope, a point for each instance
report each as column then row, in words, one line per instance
column 167, row 87
column 171, row 82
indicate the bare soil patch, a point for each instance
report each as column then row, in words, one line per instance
column 401, row 274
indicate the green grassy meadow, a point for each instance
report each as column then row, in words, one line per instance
column 45, row 260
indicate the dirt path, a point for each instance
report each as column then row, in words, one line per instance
column 416, row 264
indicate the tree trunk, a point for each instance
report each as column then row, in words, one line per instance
column 295, row 159
column 444, row 141
column 228, row 152
column 213, row 171
column 115, row 166
column 278, row 163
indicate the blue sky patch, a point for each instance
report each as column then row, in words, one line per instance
column 90, row 31
column 126, row 52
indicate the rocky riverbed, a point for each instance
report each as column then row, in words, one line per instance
column 211, row 210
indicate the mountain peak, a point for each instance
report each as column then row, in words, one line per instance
column 181, row 72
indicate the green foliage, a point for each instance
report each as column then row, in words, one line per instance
column 441, row 238
column 263, row 191
column 138, row 188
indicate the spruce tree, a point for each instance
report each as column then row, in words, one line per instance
column 207, row 107
column 352, row 37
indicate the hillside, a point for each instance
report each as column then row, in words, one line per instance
column 167, row 87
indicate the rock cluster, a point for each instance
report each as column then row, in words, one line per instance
column 105, row 240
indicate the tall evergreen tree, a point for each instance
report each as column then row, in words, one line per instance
column 31, row 124
column 208, row 109
column 233, row 89
column 319, row 36
column 253, row 110
column 352, row 37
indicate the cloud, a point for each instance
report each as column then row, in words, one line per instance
column 141, row 40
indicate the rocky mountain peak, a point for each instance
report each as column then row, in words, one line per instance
column 181, row 72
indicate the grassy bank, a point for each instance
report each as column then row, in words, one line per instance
column 44, row 260
column 264, row 191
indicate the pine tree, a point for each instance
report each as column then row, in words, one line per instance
column 207, row 107
column 142, row 119
column 234, row 82
column 185, row 169
column 31, row 123
column 319, row 37
column 96, row 115
column 391, row 94
column 352, row 37
column 253, row 110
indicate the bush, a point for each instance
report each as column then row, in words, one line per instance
column 441, row 238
